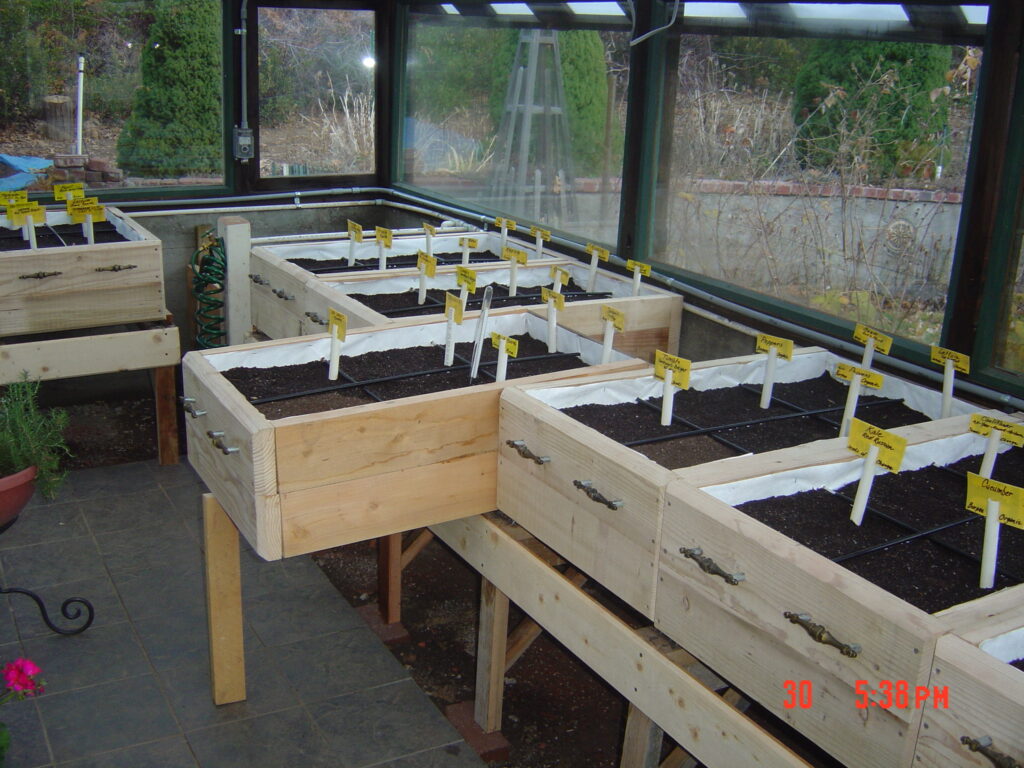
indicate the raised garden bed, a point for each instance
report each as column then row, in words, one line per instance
column 60, row 236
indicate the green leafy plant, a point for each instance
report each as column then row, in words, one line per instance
column 30, row 436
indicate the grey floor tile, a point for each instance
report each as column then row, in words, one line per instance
column 41, row 524
column 260, row 576
column 167, row 753
column 28, row 739
column 98, row 591
column 171, row 475
column 386, row 723
column 110, row 481
column 458, row 755
column 98, row 655
column 159, row 589
column 179, row 636
column 165, row 543
column 8, row 628
column 286, row 738
column 188, row 689
column 127, row 510
column 331, row 665
column 298, row 613
column 187, row 498
column 56, row 562
column 106, row 717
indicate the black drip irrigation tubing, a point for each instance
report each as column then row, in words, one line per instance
column 497, row 301
column 394, row 262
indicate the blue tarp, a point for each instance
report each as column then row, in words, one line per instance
column 27, row 168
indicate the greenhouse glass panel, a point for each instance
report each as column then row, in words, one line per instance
column 823, row 171
column 316, row 92
column 524, row 121
column 1010, row 333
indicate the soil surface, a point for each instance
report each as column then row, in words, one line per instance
column 323, row 266
column 61, row 235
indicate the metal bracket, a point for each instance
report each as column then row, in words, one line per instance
column 188, row 405
column 526, row 453
column 708, row 565
column 592, row 493
column 984, row 746
column 226, row 449
column 821, row 635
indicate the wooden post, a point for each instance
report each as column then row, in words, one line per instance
column 389, row 577
column 223, row 603
column 641, row 746
column 164, row 389
column 490, row 657
column 422, row 539
column 58, row 112
column 237, row 235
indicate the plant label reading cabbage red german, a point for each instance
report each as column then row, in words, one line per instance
column 862, row 333
column 559, row 274
column 18, row 213
column 890, row 446
column 355, row 232
column 508, row 224
column 614, row 316
column 869, row 378
column 452, row 303
column 426, row 263
column 383, row 236
column 546, row 295
column 511, row 345
column 513, row 254
column 981, row 490
column 68, row 191
column 466, row 278
column 1012, row 432
column 595, row 250
column 679, row 366
column 784, row 346
column 961, row 362
column 337, row 320
column 638, row 266
column 430, row 229
column 468, row 242
column 543, row 234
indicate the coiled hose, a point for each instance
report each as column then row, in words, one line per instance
column 209, row 270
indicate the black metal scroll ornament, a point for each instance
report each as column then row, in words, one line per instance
column 69, row 609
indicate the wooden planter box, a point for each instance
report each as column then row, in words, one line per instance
column 303, row 483
column 83, row 291
column 740, row 629
column 618, row 547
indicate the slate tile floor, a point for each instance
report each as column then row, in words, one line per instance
column 133, row 690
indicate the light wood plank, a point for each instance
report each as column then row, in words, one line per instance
column 641, row 744
column 236, row 232
column 527, row 630
column 989, row 616
column 490, row 657
column 223, row 603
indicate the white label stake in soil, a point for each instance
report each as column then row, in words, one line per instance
column 773, row 346
column 337, row 323
column 674, row 373
column 383, row 246
column 555, row 302
column 596, row 253
column 614, row 320
column 478, row 337
column 952, row 363
column 506, row 346
column 453, row 316
column 878, row 447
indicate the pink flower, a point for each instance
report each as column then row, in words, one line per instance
column 19, row 676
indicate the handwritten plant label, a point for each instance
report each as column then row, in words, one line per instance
column 508, row 224
column 784, row 346
column 355, row 231
column 513, row 254
column 68, row 191
column 80, row 207
column 14, row 196
column 961, row 362
column 595, row 250
column 452, row 303
column 337, row 323
column 869, row 378
column 546, row 295
column 559, row 274
column 679, row 366
column 430, row 229
column 615, row 316
column 468, row 242
column 1013, row 432
column 426, row 264
column 18, row 213
column 511, row 345
column 466, row 278
column 638, row 266
column 890, row 446
column 543, row 234
column 863, row 332
column 384, row 236
column 980, row 490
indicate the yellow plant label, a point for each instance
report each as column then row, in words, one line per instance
column 384, row 236
column 547, row 295
column 454, row 305
column 679, row 366
column 614, row 316
column 18, row 213
column 14, row 196
column 68, row 191
column 80, row 207
column 961, row 362
column 508, row 224
column 869, row 378
column 543, row 234
column 513, row 254
column 638, row 266
column 559, row 274
column 595, row 250
column 426, row 263
column 784, row 346
column 430, row 229
column 337, row 323
column 890, row 446
column 355, row 231
column 1010, row 497
column 1013, row 432
column 468, row 242
column 863, row 332
column 511, row 345
column 466, row 278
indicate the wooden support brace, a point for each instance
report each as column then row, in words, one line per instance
column 423, row 538
column 389, row 577
column 223, row 603
column 521, row 638
column 164, row 391
column 490, row 657
column 641, row 745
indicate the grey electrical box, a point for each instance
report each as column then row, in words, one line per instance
column 245, row 147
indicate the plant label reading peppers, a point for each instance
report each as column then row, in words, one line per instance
column 466, row 278
column 679, row 366
column 384, row 236
column 355, row 231
column 452, row 303
column 869, row 378
column 546, row 295
column 337, row 323
column 890, row 446
column 981, row 490
column 638, row 266
column 1012, row 432
column 614, row 316
column 511, row 345
column 426, row 264
column 862, row 333
column 961, row 362
column 784, row 346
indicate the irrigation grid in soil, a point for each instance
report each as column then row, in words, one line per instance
column 60, row 236
column 397, row 261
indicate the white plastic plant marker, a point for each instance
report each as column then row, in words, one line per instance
column 478, row 336
column 428, row 233
column 383, row 246
column 337, row 323
column 506, row 226
column 502, row 371
column 427, row 267
column 466, row 243
column 769, row 377
column 1000, row 503
column 355, row 235
column 988, row 461
column 952, row 363
column 453, row 316
column 851, row 405
column 613, row 320
column 596, row 253
column 555, row 302
column 674, row 373
column 869, row 354
column 877, row 447
column 88, row 231
column 774, row 347
column 668, row 396
column 514, row 257
column 28, row 232
column 539, row 236
column 639, row 269
column 867, row 478
column 466, row 280
column 990, row 545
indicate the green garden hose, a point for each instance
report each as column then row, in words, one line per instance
column 209, row 270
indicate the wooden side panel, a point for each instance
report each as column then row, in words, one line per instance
column 617, row 547
column 329, row 516
column 273, row 317
column 989, row 616
column 986, row 698
column 321, row 296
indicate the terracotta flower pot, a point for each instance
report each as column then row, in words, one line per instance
column 15, row 491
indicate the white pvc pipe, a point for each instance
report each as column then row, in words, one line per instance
column 948, row 375
column 81, row 99
column 769, row 377
column 668, row 395
column 552, row 327
column 867, row 479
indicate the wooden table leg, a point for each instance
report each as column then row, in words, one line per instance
column 223, row 603
column 166, row 414
column 490, row 657
column 389, row 577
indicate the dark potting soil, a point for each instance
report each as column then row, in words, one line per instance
column 322, row 266
column 1018, row 663
column 407, row 304
column 59, row 236
column 637, row 422
column 931, row 573
column 256, row 383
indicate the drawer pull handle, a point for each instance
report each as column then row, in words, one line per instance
column 117, row 268
column 821, row 635
column 592, row 493
column 258, row 279
column 39, row 275
column 226, row 449
column 708, row 565
column 188, row 405
column 316, row 318
column 213, row 434
column 984, row 745
column 281, row 294
column 526, row 453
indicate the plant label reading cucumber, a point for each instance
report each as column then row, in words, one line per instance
column 871, row 379
column 468, row 242
column 679, row 366
column 508, row 224
column 466, row 278
column 543, row 234
column 68, row 191
column 20, row 213
column 559, row 274
column 638, row 266
column 383, row 236
column 614, row 316
column 355, row 232
column 511, row 345
column 337, row 323
column 426, row 264
column 15, row 196
column 1011, row 432
column 981, row 490
column 513, row 254
column 961, row 362
column 547, row 295
column 784, row 346
column 430, row 229
column 454, row 305
column 862, row 333
column 890, row 445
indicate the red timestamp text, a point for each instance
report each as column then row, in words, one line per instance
column 888, row 694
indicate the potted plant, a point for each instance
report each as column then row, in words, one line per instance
column 31, row 447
